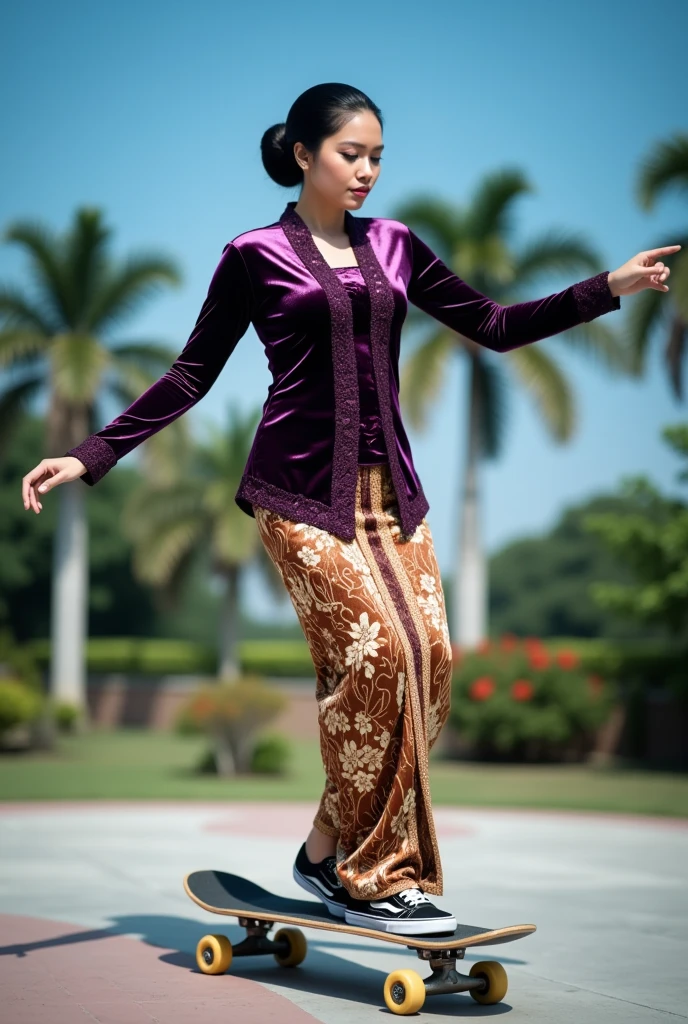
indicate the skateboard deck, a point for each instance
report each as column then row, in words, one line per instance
column 256, row 909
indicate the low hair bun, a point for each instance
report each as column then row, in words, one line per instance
column 278, row 156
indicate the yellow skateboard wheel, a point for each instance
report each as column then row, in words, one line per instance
column 298, row 947
column 214, row 954
column 404, row 992
column 497, row 982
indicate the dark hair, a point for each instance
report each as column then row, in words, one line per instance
column 317, row 113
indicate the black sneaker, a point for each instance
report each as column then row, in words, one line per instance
column 322, row 880
column 408, row 912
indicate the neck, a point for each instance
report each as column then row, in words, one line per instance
column 321, row 217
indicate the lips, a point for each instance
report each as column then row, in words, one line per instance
column 360, row 190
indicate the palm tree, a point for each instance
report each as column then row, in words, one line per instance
column 193, row 512
column 664, row 169
column 51, row 343
column 474, row 243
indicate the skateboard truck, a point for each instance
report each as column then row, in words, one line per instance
column 445, row 977
column 256, row 941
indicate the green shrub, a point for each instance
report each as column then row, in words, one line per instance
column 18, row 704
column 65, row 715
column 517, row 699
column 271, row 754
column 139, row 655
column 142, row 655
column 18, row 661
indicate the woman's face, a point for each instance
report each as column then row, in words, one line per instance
column 347, row 160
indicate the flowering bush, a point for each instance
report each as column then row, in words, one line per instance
column 514, row 698
column 231, row 712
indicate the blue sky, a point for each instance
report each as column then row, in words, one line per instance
column 154, row 112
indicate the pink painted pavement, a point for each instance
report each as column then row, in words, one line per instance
column 56, row 973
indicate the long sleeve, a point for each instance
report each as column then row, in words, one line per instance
column 224, row 318
column 437, row 290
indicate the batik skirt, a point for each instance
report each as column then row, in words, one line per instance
column 373, row 613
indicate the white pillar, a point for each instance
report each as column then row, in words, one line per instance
column 69, row 609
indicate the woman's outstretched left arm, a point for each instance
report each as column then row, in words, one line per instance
column 438, row 291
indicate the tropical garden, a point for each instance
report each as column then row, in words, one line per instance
column 570, row 648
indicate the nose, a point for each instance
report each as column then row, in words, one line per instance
column 369, row 171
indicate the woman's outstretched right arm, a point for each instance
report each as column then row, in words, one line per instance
column 224, row 318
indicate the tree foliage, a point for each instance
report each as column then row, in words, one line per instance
column 651, row 538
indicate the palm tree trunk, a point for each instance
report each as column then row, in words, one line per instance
column 470, row 586
column 68, row 613
column 229, row 626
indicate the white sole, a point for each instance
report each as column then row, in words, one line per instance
column 336, row 909
column 405, row 927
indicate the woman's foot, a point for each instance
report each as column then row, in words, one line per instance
column 408, row 912
column 322, row 880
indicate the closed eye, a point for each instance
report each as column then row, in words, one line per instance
column 354, row 156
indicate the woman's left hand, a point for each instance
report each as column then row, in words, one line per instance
column 646, row 270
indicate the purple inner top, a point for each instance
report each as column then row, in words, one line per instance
column 371, row 447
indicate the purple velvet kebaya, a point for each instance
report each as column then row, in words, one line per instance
column 304, row 457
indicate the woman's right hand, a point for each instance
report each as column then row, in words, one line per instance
column 47, row 474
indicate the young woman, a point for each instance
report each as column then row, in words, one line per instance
column 331, row 482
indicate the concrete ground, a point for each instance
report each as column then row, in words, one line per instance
column 96, row 925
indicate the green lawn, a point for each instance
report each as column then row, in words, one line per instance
column 134, row 764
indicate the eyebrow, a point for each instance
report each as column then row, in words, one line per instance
column 350, row 142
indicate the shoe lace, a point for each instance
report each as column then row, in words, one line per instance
column 413, row 897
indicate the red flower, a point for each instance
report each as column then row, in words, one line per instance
column 481, row 688
column 509, row 642
column 538, row 658
column 483, row 646
column 567, row 659
column 522, row 689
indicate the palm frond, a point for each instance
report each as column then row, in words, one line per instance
column 601, row 343
column 128, row 379
column 422, row 375
column 157, row 561
column 86, row 262
column 678, row 281
column 553, row 251
column 157, row 356
column 125, row 288
column 438, row 221
column 13, row 402
column 490, row 212
column 46, row 263
column 548, row 387
column 152, row 509
column 17, row 345
column 674, row 355
column 665, row 168
column 644, row 314
column 20, row 311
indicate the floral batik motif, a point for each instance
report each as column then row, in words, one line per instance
column 373, row 613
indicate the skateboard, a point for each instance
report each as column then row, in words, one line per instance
column 404, row 990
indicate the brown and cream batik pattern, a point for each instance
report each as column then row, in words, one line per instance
column 373, row 613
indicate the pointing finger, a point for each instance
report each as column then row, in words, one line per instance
column 662, row 251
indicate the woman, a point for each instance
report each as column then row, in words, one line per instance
column 331, row 483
